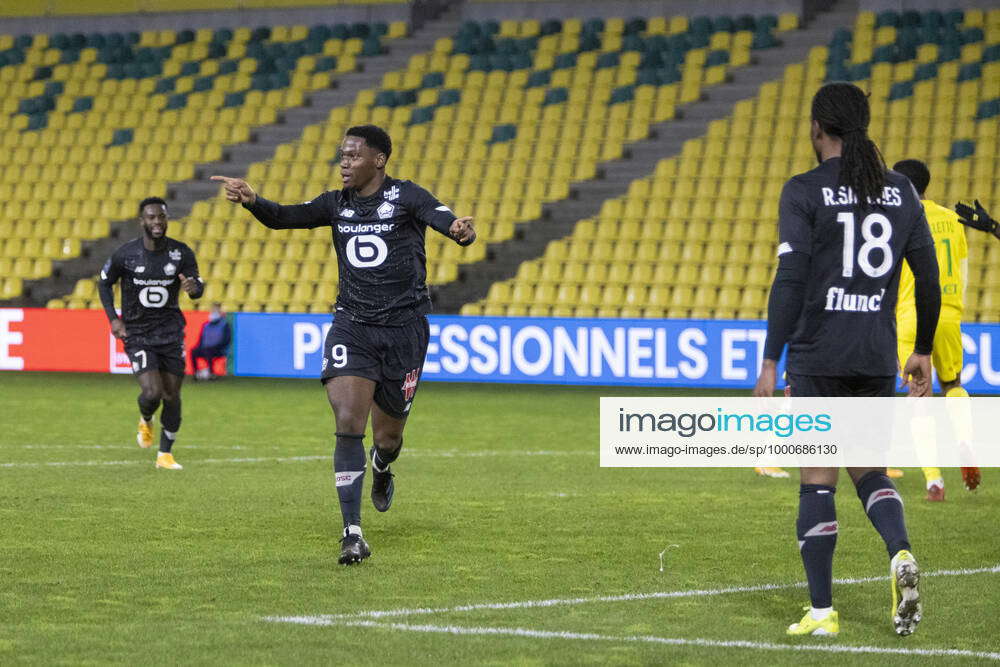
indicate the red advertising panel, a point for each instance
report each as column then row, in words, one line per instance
column 43, row 339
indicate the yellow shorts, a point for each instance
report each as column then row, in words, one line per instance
column 947, row 354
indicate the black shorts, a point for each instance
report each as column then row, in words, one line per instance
column 165, row 357
column 825, row 385
column 391, row 357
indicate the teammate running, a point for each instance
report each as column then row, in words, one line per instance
column 153, row 269
column 374, row 352
column 844, row 229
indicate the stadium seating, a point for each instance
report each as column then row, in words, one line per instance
column 498, row 120
column 77, row 7
column 93, row 123
column 466, row 120
column 478, row 122
column 697, row 238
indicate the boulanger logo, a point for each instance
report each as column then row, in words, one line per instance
column 153, row 297
column 688, row 424
column 366, row 251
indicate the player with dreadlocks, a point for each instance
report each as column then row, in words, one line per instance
column 844, row 229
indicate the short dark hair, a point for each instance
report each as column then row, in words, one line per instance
column 374, row 136
column 150, row 200
column 917, row 172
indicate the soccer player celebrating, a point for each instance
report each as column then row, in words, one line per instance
column 844, row 229
column 952, row 255
column 153, row 269
column 374, row 352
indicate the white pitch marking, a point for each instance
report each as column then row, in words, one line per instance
column 669, row 546
column 288, row 459
column 325, row 619
column 120, row 447
column 670, row 641
column 276, row 459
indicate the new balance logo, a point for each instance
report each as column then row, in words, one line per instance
column 392, row 194
column 838, row 299
column 882, row 494
column 822, row 529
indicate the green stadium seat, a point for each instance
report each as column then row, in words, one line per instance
column 121, row 137
column 503, row 133
column 385, row 98
column 948, row 52
column 432, row 80
column 989, row 109
column 969, row 72
column 622, row 94
column 449, row 96
column 887, row 18
column 555, row 96
column 421, row 115
column 901, row 90
column 925, row 72
column 539, row 78
column 720, row 57
column 176, row 101
column 961, row 149
column 886, row 54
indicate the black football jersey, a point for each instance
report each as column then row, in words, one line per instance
column 848, row 322
column 150, row 287
column 382, row 263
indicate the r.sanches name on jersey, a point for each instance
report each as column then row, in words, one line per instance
column 838, row 299
column 844, row 195
column 376, row 228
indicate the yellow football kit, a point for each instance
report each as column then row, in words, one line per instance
column 952, row 254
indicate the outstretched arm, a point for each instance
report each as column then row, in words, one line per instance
column 428, row 210
column 275, row 216
column 977, row 218
column 462, row 231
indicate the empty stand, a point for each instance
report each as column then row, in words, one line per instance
column 699, row 235
column 95, row 122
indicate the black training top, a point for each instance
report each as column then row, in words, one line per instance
column 379, row 242
column 150, row 286
column 851, row 259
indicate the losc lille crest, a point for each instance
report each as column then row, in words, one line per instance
column 410, row 384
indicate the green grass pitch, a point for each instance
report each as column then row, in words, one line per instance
column 500, row 499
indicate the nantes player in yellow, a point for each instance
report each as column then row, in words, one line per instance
column 952, row 255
